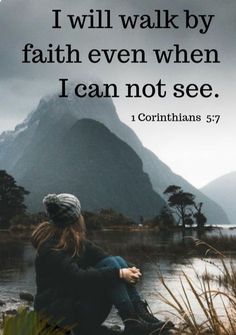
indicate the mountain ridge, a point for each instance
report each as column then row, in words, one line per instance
column 75, row 164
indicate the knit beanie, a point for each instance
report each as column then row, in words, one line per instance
column 62, row 209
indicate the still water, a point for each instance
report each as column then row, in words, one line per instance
column 17, row 266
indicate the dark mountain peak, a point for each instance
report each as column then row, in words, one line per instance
column 99, row 136
column 91, row 162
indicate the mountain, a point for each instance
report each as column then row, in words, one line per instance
column 223, row 191
column 91, row 162
column 60, row 115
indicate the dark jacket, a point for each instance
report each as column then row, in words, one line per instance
column 64, row 281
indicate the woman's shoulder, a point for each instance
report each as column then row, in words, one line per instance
column 88, row 244
column 47, row 246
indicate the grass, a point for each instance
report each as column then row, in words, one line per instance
column 204, row 295
column 28, row 323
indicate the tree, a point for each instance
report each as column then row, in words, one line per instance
column 105, row 218
column 199, row 216
column 188, row 220
column 166, row 219
column 182, row 202
column 11, row 199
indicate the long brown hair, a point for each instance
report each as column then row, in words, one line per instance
column 68, row 238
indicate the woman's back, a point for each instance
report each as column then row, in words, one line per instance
column 77, row 282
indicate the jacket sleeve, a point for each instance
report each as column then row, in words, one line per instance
column 93, row 253
column 68, row 270
column 130, row 264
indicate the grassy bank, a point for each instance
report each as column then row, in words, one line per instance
column 183, row 248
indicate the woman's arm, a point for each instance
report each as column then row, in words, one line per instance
column 93, row 253
column 67, row 269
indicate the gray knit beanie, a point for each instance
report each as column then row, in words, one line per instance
column 62, row 209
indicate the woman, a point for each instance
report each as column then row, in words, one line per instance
column 78, row 283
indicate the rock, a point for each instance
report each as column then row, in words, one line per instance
column 26, row 296
column 2, row 303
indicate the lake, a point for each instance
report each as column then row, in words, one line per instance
column 17, row 266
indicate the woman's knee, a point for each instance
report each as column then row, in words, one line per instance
column 121, row 261
column 109, row 261
column 113, row 261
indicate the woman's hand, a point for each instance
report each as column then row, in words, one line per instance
column 130, row 275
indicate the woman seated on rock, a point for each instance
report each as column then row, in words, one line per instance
column 78, row 283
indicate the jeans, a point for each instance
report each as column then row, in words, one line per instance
column 122, row 292
column 95, row 309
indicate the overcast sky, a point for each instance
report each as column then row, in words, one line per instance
column 198, row 151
